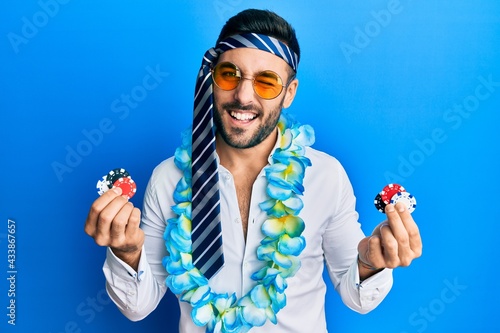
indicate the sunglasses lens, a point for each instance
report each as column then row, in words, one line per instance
column 226, row 76
column 268, row 85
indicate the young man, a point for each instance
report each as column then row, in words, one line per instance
column 285, row 208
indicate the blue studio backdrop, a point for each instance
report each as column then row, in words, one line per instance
column 404, row 91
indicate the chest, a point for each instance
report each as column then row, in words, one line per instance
column 243, row 188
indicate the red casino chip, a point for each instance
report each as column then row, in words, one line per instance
column 127, row 185
column 389, row 191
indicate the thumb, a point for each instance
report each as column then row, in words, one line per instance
column 364, row 247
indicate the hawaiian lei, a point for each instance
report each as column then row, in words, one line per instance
column 278, row 250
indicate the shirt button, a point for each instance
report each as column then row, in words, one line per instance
column 131, row 293
column 237, row 220
column 228, row 177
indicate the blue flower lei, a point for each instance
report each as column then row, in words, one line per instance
column 279, row 249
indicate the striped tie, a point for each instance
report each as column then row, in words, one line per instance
column 206, row 221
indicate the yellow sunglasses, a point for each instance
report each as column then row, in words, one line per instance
column 267, row 84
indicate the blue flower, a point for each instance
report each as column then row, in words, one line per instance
column 180, row 282
column 182, row 208
column 293, row 205
column 179, row 241
column 287, row 176
column 201, row 296
column 250, row 313
column 203, row 315
column 260, row 297
column 182, row 159
column 279, row 192
column 278, row 299
column 291, row 245
column 306, row 136
column 290, row 224
column 182, row 191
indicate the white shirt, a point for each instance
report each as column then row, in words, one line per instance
column 332, row 235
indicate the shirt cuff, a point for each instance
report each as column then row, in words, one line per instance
column 373, row 289
column 375, row 279
column 121, row 269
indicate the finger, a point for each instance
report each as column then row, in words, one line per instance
column 408, row 236
column 131, row 237
column 376, row 230
column 415, row 241
column 133, row 232
column 395, row 215
column 102, row 234
column 390, row 245
column 125, row 225
column 375, row 252
column 134, row 219
column 119, row 223
column 394, row 219
column 96, row 209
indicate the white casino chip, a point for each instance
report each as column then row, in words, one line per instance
column 406, row 198
column 102, row 186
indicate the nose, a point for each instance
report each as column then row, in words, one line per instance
column 244, row 92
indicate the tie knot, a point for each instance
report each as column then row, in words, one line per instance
column 210, row 57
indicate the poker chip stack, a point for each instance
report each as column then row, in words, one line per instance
column 117, row 178
column 392, row 194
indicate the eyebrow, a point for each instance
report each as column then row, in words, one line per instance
column 267, row 73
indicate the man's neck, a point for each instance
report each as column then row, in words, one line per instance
column 250, row 160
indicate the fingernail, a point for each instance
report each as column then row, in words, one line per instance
column 117, row 190
column 389, row 208
column 401, row 207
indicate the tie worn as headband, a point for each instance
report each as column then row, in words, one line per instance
column 206, row 234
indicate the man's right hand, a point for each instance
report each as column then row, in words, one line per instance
column 114, row 221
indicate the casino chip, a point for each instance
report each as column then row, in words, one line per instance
column 102, row 186
column 127, row 185
column 406, row 198
column 114, row 175
column 389, row 191
column 379, row 203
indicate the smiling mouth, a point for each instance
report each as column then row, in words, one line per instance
column 243, row 116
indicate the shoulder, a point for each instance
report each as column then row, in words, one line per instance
column 165, row 174
column 323, row 161
column 325, row 169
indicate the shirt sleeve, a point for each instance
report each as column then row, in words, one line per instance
column 340, row 243
column 137, row 294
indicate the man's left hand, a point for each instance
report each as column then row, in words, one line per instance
column 393, row 243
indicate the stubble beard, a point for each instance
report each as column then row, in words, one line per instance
column 235, row 136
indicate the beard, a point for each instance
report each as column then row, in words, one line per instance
column 237, row 137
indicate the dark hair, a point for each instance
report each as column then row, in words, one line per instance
column 262, row 22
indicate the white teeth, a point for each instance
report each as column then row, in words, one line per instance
column 243, row 116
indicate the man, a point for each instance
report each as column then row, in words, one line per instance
column 286, row 209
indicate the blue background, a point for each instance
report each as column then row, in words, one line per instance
column 399, row 91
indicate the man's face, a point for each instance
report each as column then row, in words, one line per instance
column 244, row 119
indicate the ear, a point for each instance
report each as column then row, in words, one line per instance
column 290, row 92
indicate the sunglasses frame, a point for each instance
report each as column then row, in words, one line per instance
column 253, row 79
